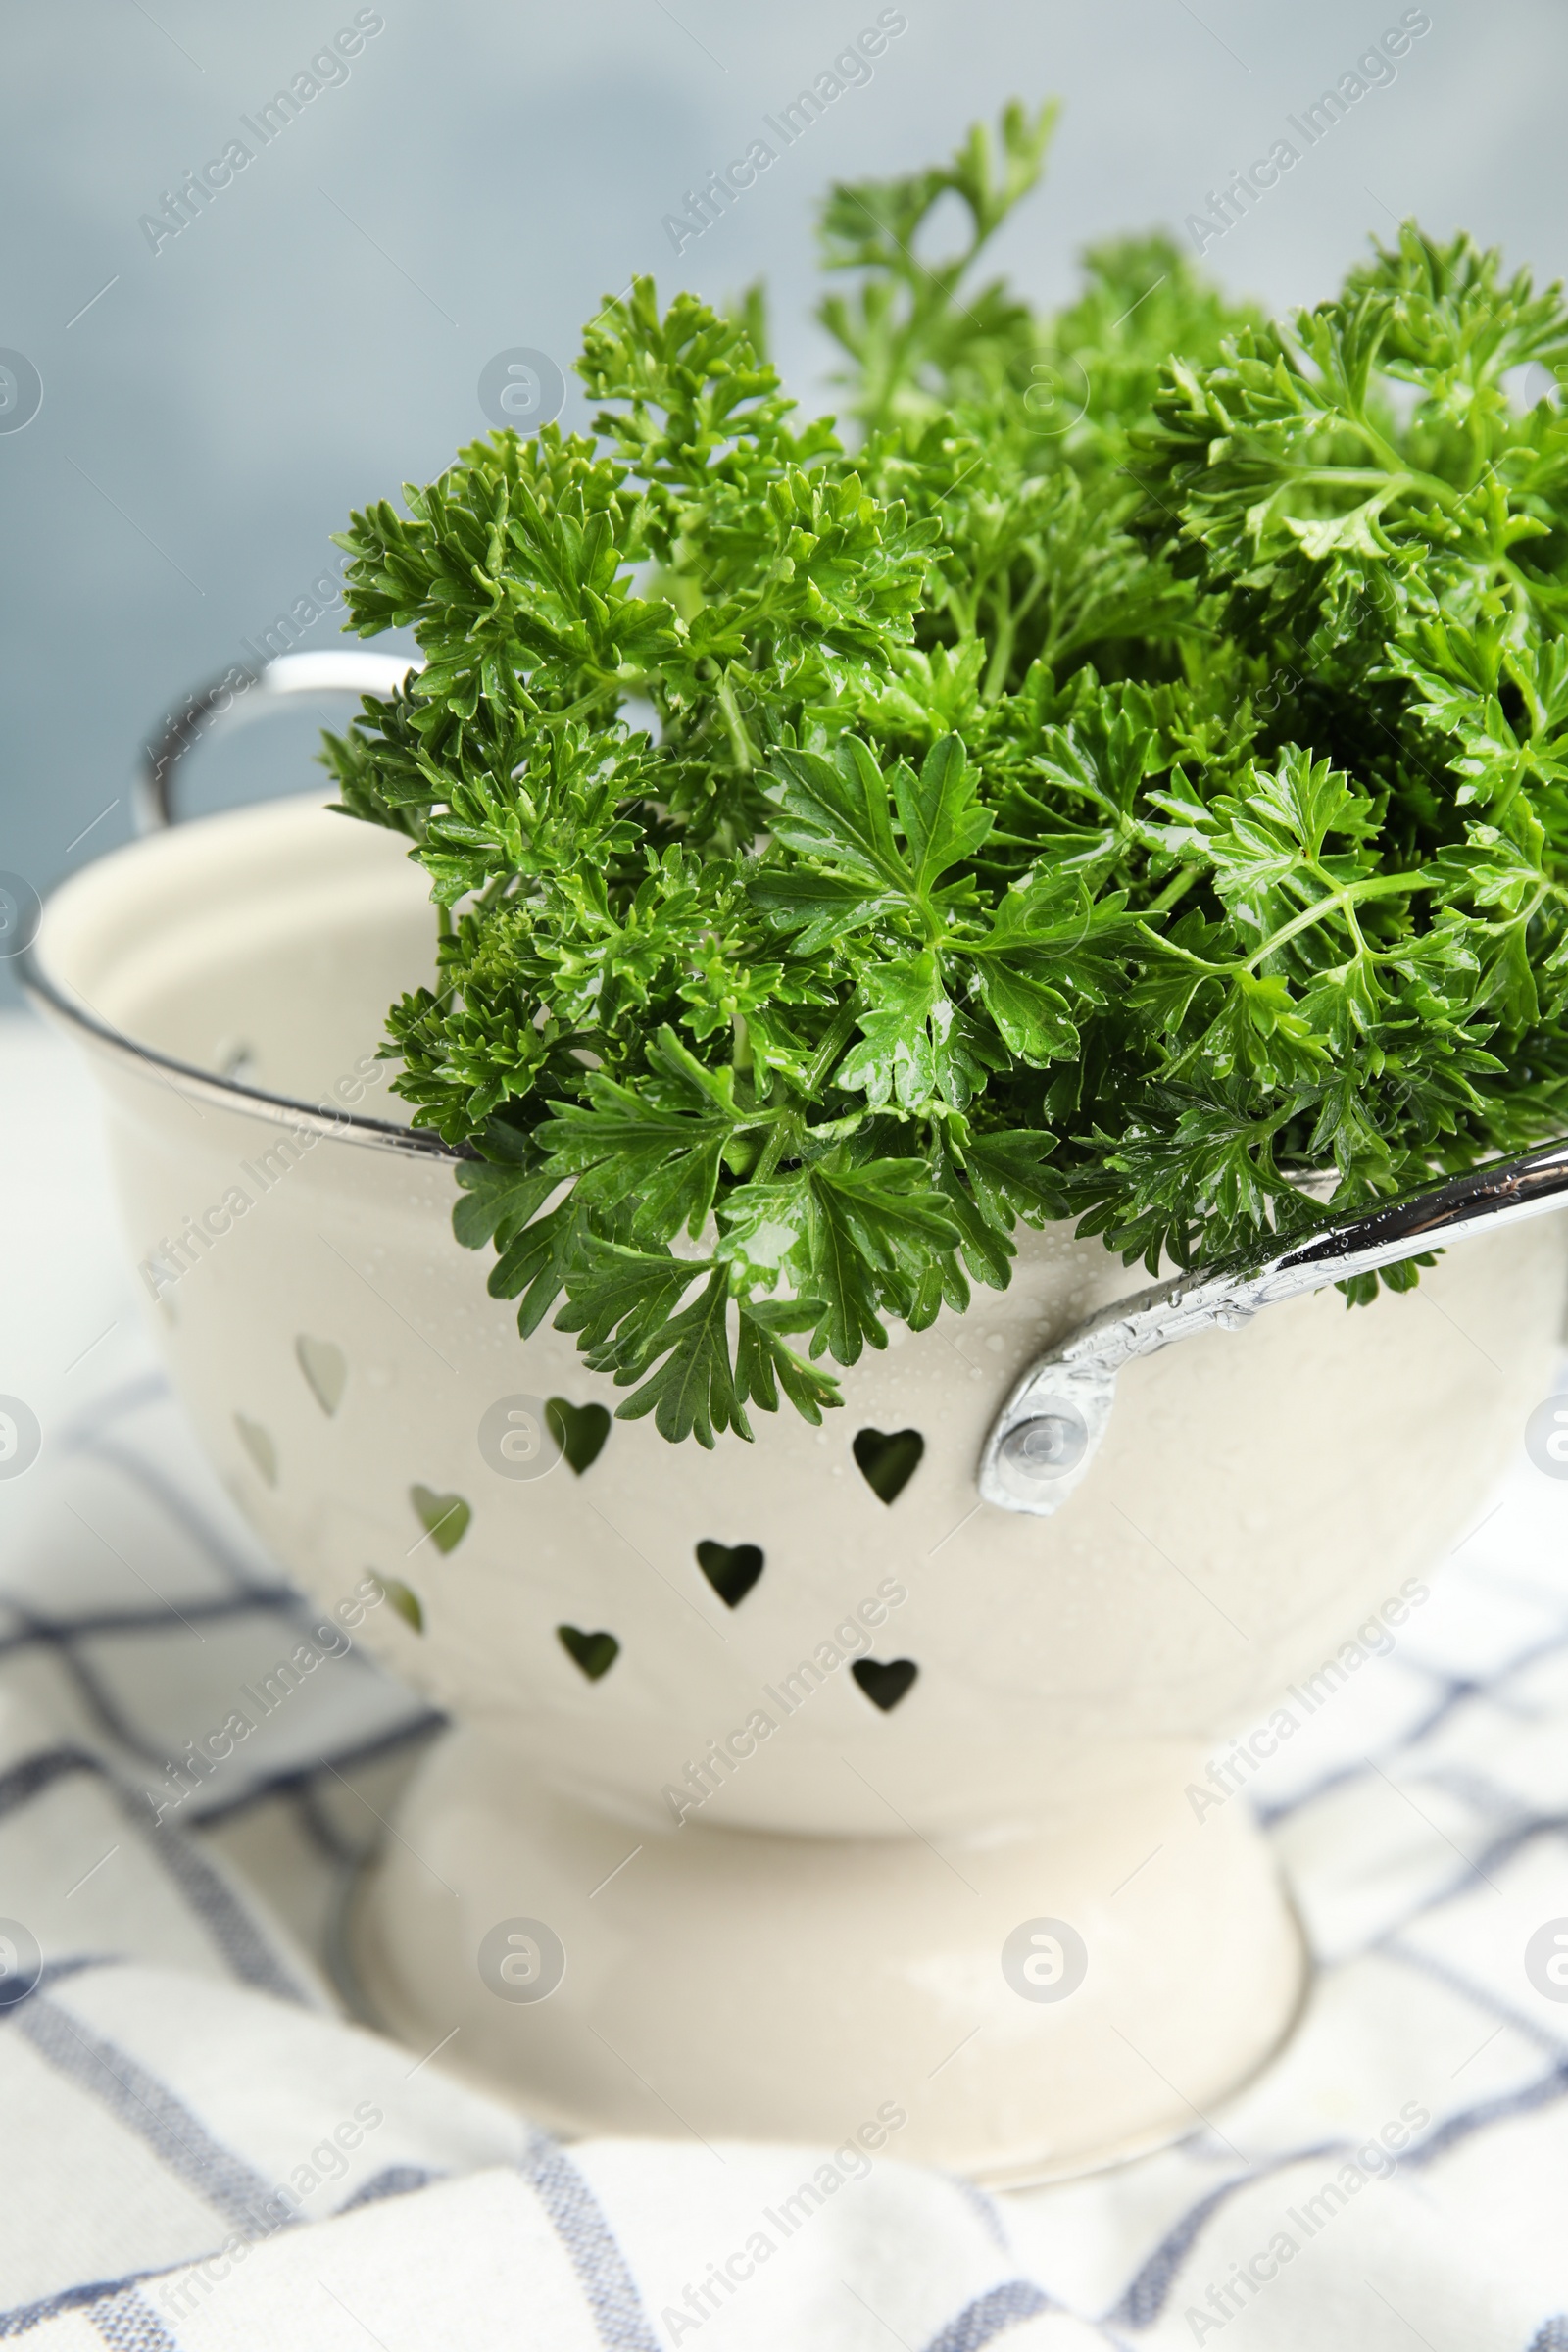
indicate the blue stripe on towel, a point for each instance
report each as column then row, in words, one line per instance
column 22, row 2318
column 1145, row 2296
column 991, row 2314
column 144, row 2105
column 397, row 2181
column 128, row 2322
column 591, row 2248
column 237, row 1938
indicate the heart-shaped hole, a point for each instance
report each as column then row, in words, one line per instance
column 444, row 1517
column 258, row 1444
column 732, row 1569
column 325, row 1368
column 405, row 1600
column 595, row 1653
column 888, row 1463
column 580, row 1429
column 885, row 1686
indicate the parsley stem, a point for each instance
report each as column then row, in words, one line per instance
column 1343, row 896
column 1000, row 660
column 1176, row 890
column 740, row 743
column 1391, row 483
column 787, row 1130
column 833, row 1044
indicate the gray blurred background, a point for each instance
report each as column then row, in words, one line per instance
column 483, row 178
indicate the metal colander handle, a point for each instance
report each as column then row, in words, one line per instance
column 1042, row 1440
column 240, row 696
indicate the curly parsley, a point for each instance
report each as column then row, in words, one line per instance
column 1119, row 786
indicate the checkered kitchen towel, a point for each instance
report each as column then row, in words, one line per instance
column 201, row 2152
